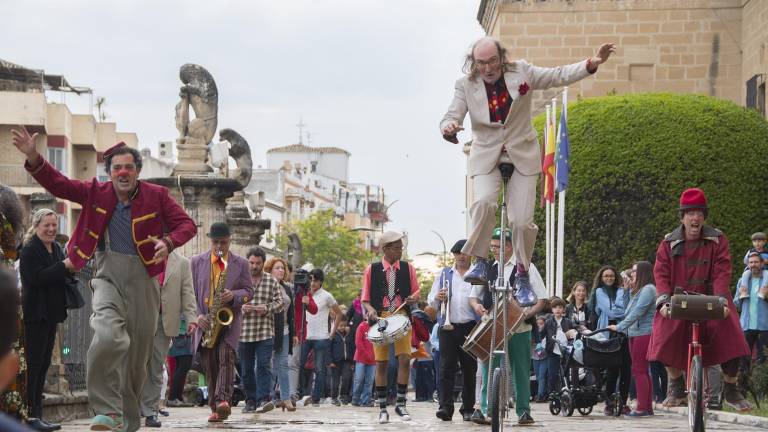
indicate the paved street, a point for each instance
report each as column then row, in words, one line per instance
column 348, row 418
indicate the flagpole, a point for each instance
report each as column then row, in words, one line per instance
column 561, row 218
column 553, row 218
column 549, row 252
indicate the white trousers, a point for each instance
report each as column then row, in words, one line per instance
column 521, row 201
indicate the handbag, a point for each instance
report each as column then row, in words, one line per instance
column 696, row 307
column 73, row 299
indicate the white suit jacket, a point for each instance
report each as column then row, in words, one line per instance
column 516, row 134
column 177, row 295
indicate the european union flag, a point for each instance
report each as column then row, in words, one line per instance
column 563, row 155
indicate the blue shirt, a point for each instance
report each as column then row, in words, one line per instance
column 120, row 235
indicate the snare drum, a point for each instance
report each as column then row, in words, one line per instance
column 388, row 330
column 478, row 341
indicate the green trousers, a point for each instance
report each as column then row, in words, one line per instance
column 519, row 353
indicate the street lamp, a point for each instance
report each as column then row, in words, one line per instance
column 445, row 251
column 386, row 208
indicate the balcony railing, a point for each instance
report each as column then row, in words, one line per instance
column 15, row 175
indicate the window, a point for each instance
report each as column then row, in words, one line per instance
column 756, row 93
column 101, row 174
column 58, row 158
column 63, row 229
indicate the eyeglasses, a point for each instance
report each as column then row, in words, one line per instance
column 493, row 61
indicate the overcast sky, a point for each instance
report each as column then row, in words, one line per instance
column 372, row 77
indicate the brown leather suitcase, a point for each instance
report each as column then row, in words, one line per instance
column 697, row 307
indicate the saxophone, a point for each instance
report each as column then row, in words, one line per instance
column 218, row 316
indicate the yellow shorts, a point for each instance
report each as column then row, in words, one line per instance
column 402, row 345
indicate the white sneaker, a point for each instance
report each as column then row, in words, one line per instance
column 306, row 400
column 402, row 412
column 383, row 416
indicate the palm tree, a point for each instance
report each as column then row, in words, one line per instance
column 100, row 103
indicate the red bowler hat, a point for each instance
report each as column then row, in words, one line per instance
column 693, row 198
column 113, row 149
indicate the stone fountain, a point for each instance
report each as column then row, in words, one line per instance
column 210, row 195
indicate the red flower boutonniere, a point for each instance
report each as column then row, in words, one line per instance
column 523, row 89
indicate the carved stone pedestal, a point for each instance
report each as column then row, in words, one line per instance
column 191, row 158
column 212, row 199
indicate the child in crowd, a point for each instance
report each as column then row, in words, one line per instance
column 758, row 245
column 365, row 367
column 556, row 327
column 539, row 356
column 342, row 364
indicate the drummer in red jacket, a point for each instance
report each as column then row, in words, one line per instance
column 129, row 227
column 386, row 286
column 695, row 258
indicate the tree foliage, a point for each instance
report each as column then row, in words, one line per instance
column 632, row 156
column 332, row 247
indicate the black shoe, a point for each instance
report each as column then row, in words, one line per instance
column 55, row 426
column 152, row 421
column 479, row 418
column 39, row 425
column 163, row 413
column 466, row 416
column 250, row 406
column 478, row 274
column 525, row 419
column 523, row 292
column 443, row 414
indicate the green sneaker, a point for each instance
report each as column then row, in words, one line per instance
column 108, row 422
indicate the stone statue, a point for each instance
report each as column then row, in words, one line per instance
column 240, row 151
column 200, row 93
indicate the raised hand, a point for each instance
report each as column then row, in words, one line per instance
column 25, row 143
column 603, row 53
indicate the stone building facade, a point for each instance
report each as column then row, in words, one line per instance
column 711, row 47
column 74, row 143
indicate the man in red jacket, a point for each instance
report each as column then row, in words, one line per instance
column 122, row 227
column 695, row 258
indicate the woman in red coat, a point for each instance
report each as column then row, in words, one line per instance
column 695, row 258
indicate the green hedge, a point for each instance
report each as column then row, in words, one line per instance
column 631, row 156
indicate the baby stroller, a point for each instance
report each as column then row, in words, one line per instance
column 579, row 391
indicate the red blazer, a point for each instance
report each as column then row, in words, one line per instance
column 152, row 208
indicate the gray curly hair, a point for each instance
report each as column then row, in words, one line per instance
column 470, row 68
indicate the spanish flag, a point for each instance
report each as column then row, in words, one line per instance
column 548, row 165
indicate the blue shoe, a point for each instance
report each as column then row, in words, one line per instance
column 523, row 291
column 478, row 274
column 639, row 414
column 111, row 422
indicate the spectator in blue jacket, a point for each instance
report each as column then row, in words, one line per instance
column 608, row 303
column 637, row 325
column 751, row 297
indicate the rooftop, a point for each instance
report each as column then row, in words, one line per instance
column 301, row 148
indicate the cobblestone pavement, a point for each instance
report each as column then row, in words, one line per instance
column 348, row 418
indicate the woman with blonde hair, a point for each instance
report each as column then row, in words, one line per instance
column 284, row 333
column 577, row 309
column 43, row 279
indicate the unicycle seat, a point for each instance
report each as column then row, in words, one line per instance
column 506, row 169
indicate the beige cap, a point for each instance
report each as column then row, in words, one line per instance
column 390, row 237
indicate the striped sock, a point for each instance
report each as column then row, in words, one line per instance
column 402, row 389
column 381, row 396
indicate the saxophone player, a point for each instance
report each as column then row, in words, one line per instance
column 222, row 281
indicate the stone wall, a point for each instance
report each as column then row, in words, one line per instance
column 754, row 34
column 682, row 46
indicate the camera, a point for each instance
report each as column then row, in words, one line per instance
column 301, row 281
